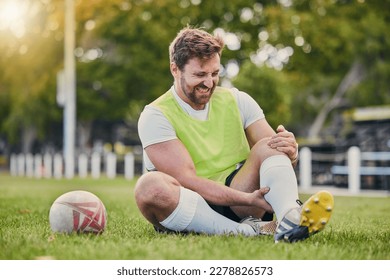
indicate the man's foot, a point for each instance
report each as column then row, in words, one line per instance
column 259, row 226
column 301, row 222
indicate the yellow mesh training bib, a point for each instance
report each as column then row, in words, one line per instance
column 216, row 145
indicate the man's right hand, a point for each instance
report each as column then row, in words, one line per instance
column 259, row 200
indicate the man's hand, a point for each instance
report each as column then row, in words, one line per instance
column 284, row 141
column 259, row 200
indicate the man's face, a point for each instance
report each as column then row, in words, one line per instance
column 196, row 83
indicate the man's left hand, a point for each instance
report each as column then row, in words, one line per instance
column 284, row 141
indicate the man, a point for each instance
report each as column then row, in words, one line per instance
column 211, row 149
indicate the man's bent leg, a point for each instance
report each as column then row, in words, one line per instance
column 157, row 196
column 166, row 204
column 295, row 222
column 275, row 171
column 280, row 178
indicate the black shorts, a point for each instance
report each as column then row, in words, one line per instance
column 227, row 211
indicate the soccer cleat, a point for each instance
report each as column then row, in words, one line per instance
column 259, row 226
column 301, row 222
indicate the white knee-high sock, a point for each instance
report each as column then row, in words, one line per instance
column 193, row 214
column 277, row 173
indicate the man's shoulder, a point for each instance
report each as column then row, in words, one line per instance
column 167, row 95
column 220, row 89
column 223, row 93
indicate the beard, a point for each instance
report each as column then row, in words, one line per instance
column 199, row 95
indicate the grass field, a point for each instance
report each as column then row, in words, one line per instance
column 359, row 229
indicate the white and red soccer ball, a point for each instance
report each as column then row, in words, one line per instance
column 78, row 211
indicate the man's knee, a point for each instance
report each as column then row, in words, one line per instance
column 147, row 185
column 156, row 189
column 147, row 180
column 262, row 151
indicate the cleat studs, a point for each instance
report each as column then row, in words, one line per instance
column 323, row 221
column 316, row 200
column 329, row 208
column 307, row 210
column 311, row 221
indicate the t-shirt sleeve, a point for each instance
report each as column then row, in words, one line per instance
column 154, row 127
column 250, row 111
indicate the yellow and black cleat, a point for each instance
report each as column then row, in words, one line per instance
column 316, row 211
column 311, row 217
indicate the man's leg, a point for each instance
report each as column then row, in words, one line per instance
column 278, row 175
column 166, row 204
column 295, row 222
column 266, row 167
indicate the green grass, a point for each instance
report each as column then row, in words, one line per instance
column 359, row 229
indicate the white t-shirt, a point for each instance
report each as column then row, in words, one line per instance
column 154, row 127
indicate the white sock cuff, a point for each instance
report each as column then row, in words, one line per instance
column 182, row 216
column 278, row 160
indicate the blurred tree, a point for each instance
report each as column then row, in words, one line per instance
column 291, row 56
column 340, row 56
column 347, row 42
column 30, row 54
column 269, row 88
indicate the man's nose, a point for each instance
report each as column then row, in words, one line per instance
column 209, row 81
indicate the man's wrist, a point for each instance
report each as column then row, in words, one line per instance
column 295, row 158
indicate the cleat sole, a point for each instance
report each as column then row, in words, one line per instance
column 320, row 207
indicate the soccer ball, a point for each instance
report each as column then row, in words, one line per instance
column 78, row 211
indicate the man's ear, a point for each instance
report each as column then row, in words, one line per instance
column 174, row 69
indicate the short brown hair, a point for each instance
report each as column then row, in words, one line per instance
column 194, row 42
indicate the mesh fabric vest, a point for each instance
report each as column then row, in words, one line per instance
column 216, row 145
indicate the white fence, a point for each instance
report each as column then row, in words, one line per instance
column 52, row 166
column 354, row 168
column 48, row 166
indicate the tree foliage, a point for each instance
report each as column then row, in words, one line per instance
column 30, row 55
column 291, row 55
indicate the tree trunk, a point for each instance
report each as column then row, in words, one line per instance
column 29, row 134
column 354, row 76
